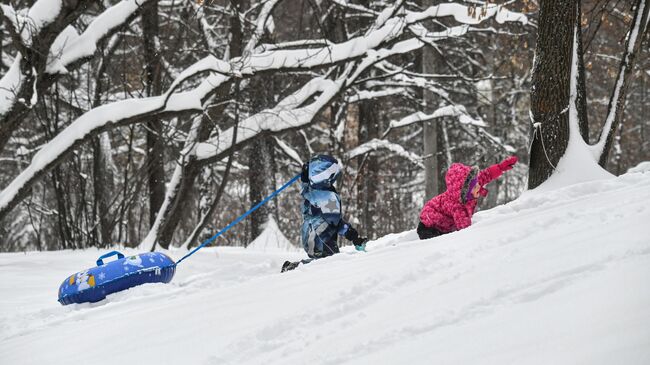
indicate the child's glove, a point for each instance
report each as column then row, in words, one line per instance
column 508, row 163
column 360, row 243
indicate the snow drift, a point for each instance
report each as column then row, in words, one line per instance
column 559, row 277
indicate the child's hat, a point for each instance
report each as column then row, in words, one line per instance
column 322, row 170
column 470, row 182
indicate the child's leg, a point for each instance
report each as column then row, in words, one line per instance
column 320, row 240
column 330, row 247
column 425, row 232
column 311, row 241
column 288, row 265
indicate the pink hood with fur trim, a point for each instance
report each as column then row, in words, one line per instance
column 449, row 211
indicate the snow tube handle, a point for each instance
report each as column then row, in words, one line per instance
column 100, row 260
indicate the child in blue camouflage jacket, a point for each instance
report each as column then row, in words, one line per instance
column 322, row 214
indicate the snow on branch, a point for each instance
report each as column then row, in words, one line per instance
column 456, row 111
column 367, row 94
column 430, row 37
column 360, row 53
column 67, row 48
column 617, row 101
column 496, row 141
column 287, row 114
column 288, row 150
column 85, row 45
column 382, row 144
column 9, row 85
column 385, row 30
column 357, row 7
column 401, row 78
column 39, row 15
column 100, row 119
column 262, row 18
column 206, row 29
column 468, row 15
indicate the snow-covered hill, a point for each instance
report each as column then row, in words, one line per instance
column 560, row 277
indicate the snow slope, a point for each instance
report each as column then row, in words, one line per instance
column 555, row 278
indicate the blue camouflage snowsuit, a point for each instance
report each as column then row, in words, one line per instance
column 322, row 208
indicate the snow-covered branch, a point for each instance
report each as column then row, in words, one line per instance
column 382, row 144
column 617, row 101
column 70, row 47
column 263, row 18
column 20, row 86
column 354, row 56
column 456, row 111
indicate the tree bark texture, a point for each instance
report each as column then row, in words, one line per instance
column 430, row 63
column 261, row 179
column 625, row 71
column 367, row 197
column 551, row 88
column 153, row 86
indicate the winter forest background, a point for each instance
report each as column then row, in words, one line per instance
column 134, row 122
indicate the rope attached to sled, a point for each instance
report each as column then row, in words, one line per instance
column 264, row 201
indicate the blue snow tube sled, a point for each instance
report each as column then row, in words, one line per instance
column 94, row 284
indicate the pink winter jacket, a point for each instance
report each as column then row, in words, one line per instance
column 449, row 211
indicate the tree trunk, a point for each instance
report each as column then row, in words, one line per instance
column 550, row 88
column 430, row 63
column 102, row 185
column 617, row 100
column 369, row 128
column 155, row 142
column 103, row 177
column 581, row 96
column 261, row 180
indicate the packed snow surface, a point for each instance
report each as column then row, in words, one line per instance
column 559, row 277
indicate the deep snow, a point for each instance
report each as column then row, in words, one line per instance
column 559, row 277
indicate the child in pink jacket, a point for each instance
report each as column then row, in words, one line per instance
column 453, row 209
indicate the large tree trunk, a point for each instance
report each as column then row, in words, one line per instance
column 550, row 88
column 153, row 86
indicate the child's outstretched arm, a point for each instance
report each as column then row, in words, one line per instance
column 494, row 171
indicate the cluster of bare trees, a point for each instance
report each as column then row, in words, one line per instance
column 152, row 123
column 559, row 107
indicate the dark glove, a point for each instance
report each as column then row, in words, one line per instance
column 352, row 235
column 360, row 241
column 508, row 163
column 361, row 247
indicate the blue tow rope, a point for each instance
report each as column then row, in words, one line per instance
column 264, row 201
